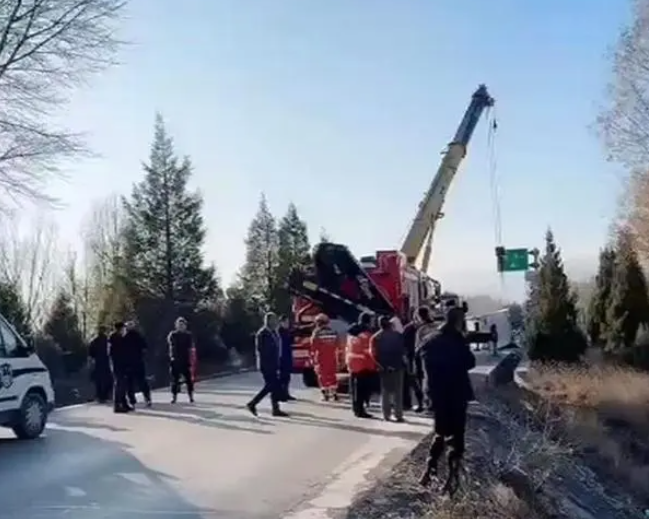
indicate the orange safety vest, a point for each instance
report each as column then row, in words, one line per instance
column 358, row 357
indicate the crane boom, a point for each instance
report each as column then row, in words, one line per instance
column 420, row 234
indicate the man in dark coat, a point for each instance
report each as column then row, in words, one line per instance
column 286, row 359
column 137, row 379
column 447, row 360
column 100, row 368
column 268, row 346
column 181, row 344
column 414, row 372
column 119, row 359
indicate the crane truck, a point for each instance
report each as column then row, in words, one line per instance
column 390, row 282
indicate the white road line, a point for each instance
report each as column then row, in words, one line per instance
column 350, row 478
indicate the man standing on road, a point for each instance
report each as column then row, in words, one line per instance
column 360, row 364
column 181, row 344
column 414, row 373
column 390, row 354
column 324, row 351
column 447, row 360
column 268, row 346
column 119, row 359
column 286, row 359
column 137, row 379
column 101, row 374
column 427, row 328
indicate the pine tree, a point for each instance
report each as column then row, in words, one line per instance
column 556, row 336
column 600, row 301
column 292, row 251
column 628, row 307
column 165, row 232
column 12, row 307
column 62, row 325
column 259, row 272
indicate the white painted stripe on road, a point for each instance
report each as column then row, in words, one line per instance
column 350, row 478
column 75, row 492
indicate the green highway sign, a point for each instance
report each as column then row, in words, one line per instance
column 512, row 260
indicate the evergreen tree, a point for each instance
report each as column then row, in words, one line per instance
column 165, row 233
column 292, row 251
column 555, row 334
column 600, row 301
column 240, row 322
column 628, row 308
column 62, row 325
column 12, row 307
column 259, row 273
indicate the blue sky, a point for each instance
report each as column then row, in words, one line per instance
column 343, row 107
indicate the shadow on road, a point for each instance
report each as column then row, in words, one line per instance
column 74, row 475
column 207, row 417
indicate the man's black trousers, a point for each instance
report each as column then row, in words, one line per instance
column 360, row 390
column 450, row 427
column 120, row 389
column 284, row 383
column 271, row 387
column 181, row 370
column 137, row 380
column 103, row 380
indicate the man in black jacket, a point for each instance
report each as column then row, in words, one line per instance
column 137, row 379
column 101, row 373
column 268, row 345
column 120, row 361
column 181, row 344
column 447, row 360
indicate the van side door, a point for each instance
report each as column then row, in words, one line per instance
column 9, row 392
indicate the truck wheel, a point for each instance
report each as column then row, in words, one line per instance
column 32, row 417
column 309, row 378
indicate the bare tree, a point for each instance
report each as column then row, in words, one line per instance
column 46, row 48
column 29, row 259
column 624, row 123
column 78, row 280
column 103, row 250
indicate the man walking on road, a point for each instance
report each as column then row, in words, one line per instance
column 119, row 359
column 447, row 360
column 181, row 344
column 268, row 346
column 137, row 380
column 360, row 364
column 390, row 354
column 100, row 368
column 286, row 359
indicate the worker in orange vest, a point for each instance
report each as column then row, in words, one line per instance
column 360, row 364
column 324, row 352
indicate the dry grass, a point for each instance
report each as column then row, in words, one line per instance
column 606, row 410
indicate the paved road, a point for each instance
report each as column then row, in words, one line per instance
column 207, row 460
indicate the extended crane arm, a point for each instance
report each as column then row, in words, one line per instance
column 430, row 209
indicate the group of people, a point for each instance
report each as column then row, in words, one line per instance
column 118, row 364
column 427, row 358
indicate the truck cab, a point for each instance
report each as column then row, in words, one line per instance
column 26, row 392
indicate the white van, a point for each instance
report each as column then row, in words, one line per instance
column 26, row 393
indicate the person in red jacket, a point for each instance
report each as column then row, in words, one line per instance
column 324, row 351
column 360, row 364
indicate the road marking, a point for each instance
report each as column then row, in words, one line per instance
column 75, row 492
column 350, row 478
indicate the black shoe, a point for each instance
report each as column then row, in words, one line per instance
column 419, row 409
column 400, row 420
column 280, row 414
column 252, row 408
column 174, row 399
column 365, row 415
column 149, row 403
column 121, row 410
column 290, row 398
column 191, row 399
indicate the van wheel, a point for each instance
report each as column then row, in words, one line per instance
column 309, row 378
column 32, row 417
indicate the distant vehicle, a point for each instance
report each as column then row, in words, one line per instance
column 26, row 393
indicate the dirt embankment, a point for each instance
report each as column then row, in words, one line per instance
column 518, row 466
